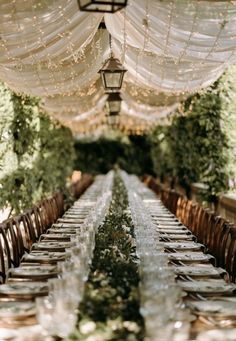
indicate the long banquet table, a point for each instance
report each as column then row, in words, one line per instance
column 31, row 280
column 207, row 295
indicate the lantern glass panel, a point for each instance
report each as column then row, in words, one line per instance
column 114, row 106
column 113, row 120
column 112, row 80
column 110, row 6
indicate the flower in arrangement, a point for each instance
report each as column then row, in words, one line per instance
column 88, row 327
column 115, row 324
column 127, row 212
column 131, row 326
column 105, row 252
column 126, row 228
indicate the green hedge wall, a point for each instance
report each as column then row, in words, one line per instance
column 130, row 153
column 36, row 153
column 199, row 145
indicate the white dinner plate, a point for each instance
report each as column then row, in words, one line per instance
column 173, row 231
column 190, row 256
column 177, row 236
column 45, row 256
column 55, row 236
column 183, row 246
column 16, row 309
column 199, row 270
column 24, row 289
column 217, row 335
column 34, row 271
column 208, row 287
column 62, row 230
column 214, row 308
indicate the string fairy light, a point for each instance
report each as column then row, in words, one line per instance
column 174, row 47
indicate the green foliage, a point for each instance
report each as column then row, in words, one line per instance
column 161, row 152
column 6, row 117
column 23, row 126
column 19, row 189
column 132, row 154
column 56, row 155
column 38, row 153
column 111, row 300
column 197, row 146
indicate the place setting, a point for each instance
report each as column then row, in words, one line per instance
column 33, row 273
column 51, row 246
column 184, row 246
column 199, row 271
column 217, row 309
column 43, row 257
column 208, row 288
column 191, row 257
column 52, row 236
column 15, row 314
column 23, row 290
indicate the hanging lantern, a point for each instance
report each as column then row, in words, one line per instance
column 114, row 102
column 113, row 119
column 112, row 74
column 109, row 6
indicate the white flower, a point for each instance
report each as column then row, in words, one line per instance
column 131, row 326
column 88, row 327
column 126, row 228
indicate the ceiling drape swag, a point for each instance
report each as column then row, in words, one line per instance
column 170, row 48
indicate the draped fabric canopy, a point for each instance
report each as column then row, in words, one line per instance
column 170, row 48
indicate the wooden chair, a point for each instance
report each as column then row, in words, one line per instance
column 185, row 217
column 192, row 212
column 173, row 201
column 5, row 255
column 152, row 184
column 37, row 220
column 164, row 196
column 217, row 240
column 181, row 206
column 46, row 214
column 204, row 226
column 14, row 240
column 230, row 254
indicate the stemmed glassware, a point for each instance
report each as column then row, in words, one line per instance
column 57, row 313
column 160, row 296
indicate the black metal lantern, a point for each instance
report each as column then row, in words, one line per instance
column 112, row 74
column 113, row 119
column 109, row 6
column 114, row 102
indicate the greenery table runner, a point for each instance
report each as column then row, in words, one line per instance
column 110, row 308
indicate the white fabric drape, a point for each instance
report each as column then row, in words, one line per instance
column 77, row 102
column 38, row 31
column 170, row 48
column 43, row 79
column 175, row 45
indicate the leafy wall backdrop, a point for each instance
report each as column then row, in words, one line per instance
column 99, row 156
column 36, row 153
column 199, row 144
